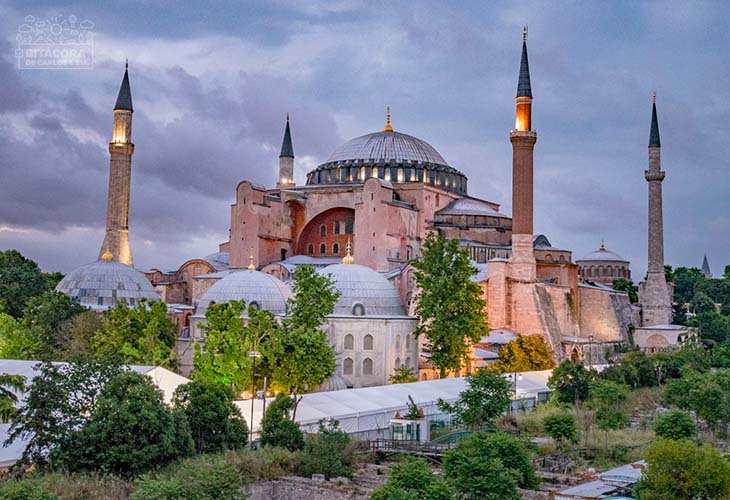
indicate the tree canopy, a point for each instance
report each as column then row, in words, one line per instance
column 487, row 396
column 20, row 280
column 449, row 305
column 571, row 382
column 526, row 353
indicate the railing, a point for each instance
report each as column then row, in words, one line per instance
column 414, row 447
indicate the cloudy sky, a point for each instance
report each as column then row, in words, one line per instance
column 211, row 85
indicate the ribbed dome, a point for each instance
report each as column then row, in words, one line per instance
column 102, row 284
column 363, row 292
column 267, row 291
column 603, row 255
column 387, row 146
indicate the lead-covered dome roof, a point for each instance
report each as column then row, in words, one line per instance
column 265, row 290
column 391, row 156
column 103, row 283
column 363, row 292
column 602, row 254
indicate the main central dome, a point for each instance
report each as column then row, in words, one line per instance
column 391, row 156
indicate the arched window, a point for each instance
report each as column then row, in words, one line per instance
column 196, row 270
column 336, row 227
column 254, row 305
column 562, row 259
column 367, row 366
column 397, row 362
column 408, row 341
column 367, row 342
column 358, row 309
column 310, row 249
column 348, row 366
column 335, row 248
column 185, row 275
column 424, row 376
column 408, row 363
column 349, row 341
column 323, row 230
column 397, row 341
column 549, row 257
column 322, row 248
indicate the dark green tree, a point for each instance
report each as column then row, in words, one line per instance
column 130, row 431
column 561, row 427
column 526, row 353
column 215, row 423
column 326, row 452
column 626, row 285
column 713, row 327
column 486, row 397
column 701, row 303
column 571, row 382
column 449, row 305
column 413, row 479
column 675, row 424
column 141, row 335
column 43, row 317
column 277, row 426
column 686, row 280
column 10, row 387
column 20, row 280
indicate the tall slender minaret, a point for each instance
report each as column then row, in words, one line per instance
column 286, row 159
column 116, row 241
column 523, row 140
column 656, row 302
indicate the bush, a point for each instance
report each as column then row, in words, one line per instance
column 325, row 452
column 25, row 489
column 413, row 479
column 57, row 486
column 277, row 427
column 561, row 428
column 675, row 424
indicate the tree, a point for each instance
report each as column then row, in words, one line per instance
column 300, row 356
column 679, row 469
column 571, row 382
column 686, row 281
column 712, row 326
column 326, row 452
column 15, row 340
column 675, row 424
column 607, row 398
column 413, row 479
column 561, row 427
column 130, row 431
column 215, row 423
column 43, row 317
column 449, row 305
column 10, row 385
column 277, row 426
column 626, row 285
column 20, row 280
column 701, row 303
column 142, row 335
column 403, row 375
column 526, row 353
column 58, row 402
column 487, row 396
column 76, row 335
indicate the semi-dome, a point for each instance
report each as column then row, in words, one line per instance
column 391, row 156
column 363, row 292
column 253, row 287
column 602, row 254
column 103, row 283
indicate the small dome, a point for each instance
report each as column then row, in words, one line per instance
column 603, row 255
column 386, row 146
column 102, row 284
column 334, row 383
column 363, row 292
column 268, row 292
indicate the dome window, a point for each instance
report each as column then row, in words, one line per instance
column 358, row 309
column 367, row 366
column 347, row 366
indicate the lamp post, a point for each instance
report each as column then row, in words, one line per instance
column 590, row 352
column 515, row 377
column 253, row 355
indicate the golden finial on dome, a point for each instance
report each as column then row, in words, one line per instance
column 603, row 245
column 107, row 255
column 251, row 266
column 348, row 258
column 388, row 127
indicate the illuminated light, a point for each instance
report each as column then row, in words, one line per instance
column 401, row 177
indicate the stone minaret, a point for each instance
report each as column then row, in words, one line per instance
column 116, row 241
column 286, row 159
column 523, row 140
column 656, row 302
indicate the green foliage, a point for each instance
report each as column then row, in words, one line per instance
column 59, row 401
column 701, row 303
column 15, row 340
column 414, row 412
column 571, row 382
column 712, row 326
column 20, row 280
column 413, row 479
column 675, row 424
column 626, row 285
column 526, row 353
column 42, row 319
column 28, row 489
column 450, row 306
column 635, row 369
column 277, row 426
column 300, row 356
column 686, row 280
column 489, row 466
column 607, row 398
column 75, row 336
column 679, row 469
column 561, row 427
column 215, row 423
column 130, row 431
column 142, row 335
column 706, row 394
column 326, row 452
column 403, row 375
column 486, row 397
column 9, row 386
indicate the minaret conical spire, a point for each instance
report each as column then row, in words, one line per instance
column 706, row 267
column 124, row 99
column 287, row 150
column 654, row 134
column 523, row 84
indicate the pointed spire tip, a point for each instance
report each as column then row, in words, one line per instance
column 388, row 127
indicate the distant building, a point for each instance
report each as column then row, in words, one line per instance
column 603, row 266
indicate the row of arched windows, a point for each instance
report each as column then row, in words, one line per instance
column 323, row 248
column 367, row 342
column 605, row 271
column 348, row 366
column 407, row 364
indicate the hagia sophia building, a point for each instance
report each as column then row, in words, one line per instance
column 361, row 218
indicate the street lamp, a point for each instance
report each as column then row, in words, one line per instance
column 253, row 355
